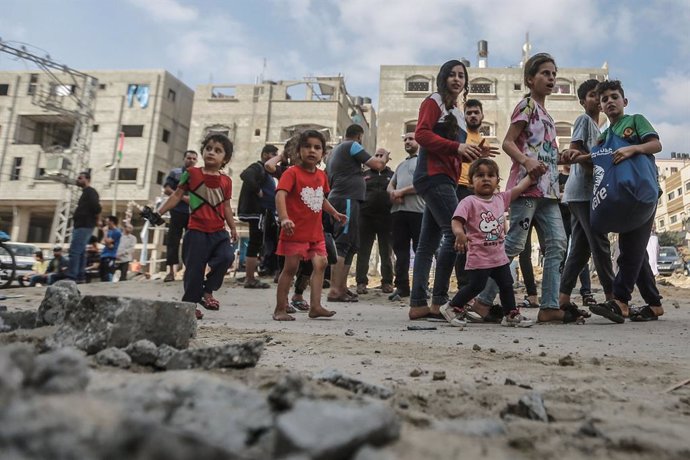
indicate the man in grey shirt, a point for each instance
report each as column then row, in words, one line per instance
column 406, row 214
column 348, row 190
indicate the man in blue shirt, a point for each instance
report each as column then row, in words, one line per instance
column 111, row 241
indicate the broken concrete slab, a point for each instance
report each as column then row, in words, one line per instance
column 59, row 299
column 327, row 430
column 235, row 355
column 113, row 357
column 338, row 379
column 60, row 371
column 99, row 322
column 18, row 319
column 286, row 392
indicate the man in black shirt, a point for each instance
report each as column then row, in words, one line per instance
column 83, row 221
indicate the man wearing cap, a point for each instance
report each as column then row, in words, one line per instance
column 375, row 223
column 84, row 221
column 57, row 269
column 406, row 216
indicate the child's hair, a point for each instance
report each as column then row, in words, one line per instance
column 93, row 239
column 488, row 162
column 112, row 219
column 302, row 142
column 290, row 149
column 613, row 85
column 451, row 123
column 532, row 65
column 223, row 140
column 39, row 254
column 474, row 103
column 586, row 87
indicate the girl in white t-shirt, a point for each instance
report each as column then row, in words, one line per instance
column 478, row 226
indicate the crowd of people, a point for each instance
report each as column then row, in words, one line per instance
column 443, row 204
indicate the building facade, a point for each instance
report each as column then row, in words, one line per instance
column 402, row 88
column 253, row 115
column 151, row 107
column 673, row 210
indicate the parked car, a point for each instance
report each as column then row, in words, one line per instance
column 670, row 261
column 23, row 256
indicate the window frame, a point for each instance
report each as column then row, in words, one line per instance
column 125, row 129
column 483, row 81
column 418, row 79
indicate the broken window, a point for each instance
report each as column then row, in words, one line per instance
column 138, row 92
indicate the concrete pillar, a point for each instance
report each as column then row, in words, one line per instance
column 20, row 223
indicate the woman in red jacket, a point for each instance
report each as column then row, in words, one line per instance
column 441, row 136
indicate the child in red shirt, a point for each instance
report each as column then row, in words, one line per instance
column 206, row 241
column 300, row 200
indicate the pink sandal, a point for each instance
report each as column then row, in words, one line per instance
column 210, row 303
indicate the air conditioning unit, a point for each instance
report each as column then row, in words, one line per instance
column 58, row 165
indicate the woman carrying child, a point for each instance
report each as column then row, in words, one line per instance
column 300, row 200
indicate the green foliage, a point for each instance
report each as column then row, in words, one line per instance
column 671, row 238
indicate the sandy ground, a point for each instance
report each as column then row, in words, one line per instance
column 619, row 381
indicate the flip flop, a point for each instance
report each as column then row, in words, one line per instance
column 343, row 298
column 642, row 314
column 299, row 305
column 256, row 284
column 609, row 310
column 168, row 278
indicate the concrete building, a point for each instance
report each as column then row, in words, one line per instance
column 253, row 115
column 151, row 107
column 402, row 88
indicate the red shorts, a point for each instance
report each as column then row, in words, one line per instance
column 305, row 249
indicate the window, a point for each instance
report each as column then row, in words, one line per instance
column 418, row 84
column 562, row 87
column 485, row 130
column 95, row 128
column 102, row 86
column 166, row 136
column 133, row 130
column 62, row 90
column 661, row 222
column 674, row 170
column 223, row 92
column 674, row 219
column 171, row 95
column 482, row 86
column 16, row 168
column 687, row 186
column 679, row 191
column 410, row 126
column 564, row 130
column 257, row 132
column 517, row 86
column 33, row 82
column 125, row 174
column 671, row 195
column 139, row 93
column 4, row 90
column 160, row 177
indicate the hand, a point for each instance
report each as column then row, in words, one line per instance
column 461, row 243
column 287, row 226
column 488, row 151
column 569, row 156
column 233, row 235
column 470, row 152
column 534, row 167
column 340, row 218
column 623, row 153
column 153, row 217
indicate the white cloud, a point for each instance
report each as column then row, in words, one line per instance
column 167, row 10
column 674, row 93
column 674, row 137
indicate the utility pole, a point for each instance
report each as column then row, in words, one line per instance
column 71, row 93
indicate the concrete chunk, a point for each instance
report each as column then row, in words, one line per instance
column 59, row 300
column 236, row 355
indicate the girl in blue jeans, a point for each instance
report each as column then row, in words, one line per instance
column 441, row 135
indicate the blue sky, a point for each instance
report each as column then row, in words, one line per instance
column 646, row 43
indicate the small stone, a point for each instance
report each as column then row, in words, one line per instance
column 595, row 361
column 510, row 382
column 416, row 372
column 403, row 404
column 476, row 347
column 349, row 333
column 439, row 375
column 542, row 354
column 367, row 362
column 530, row 406
column 566, row 361
column 516, row 341
column 142, row 352
column 492, row 350
column 113, row 357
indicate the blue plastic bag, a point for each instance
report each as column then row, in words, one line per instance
column 625, row 195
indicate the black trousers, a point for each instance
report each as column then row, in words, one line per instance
column 178, row 224
column 461, row 192
column 477, row 281
column 203, row 249
column 406, row 228
column 633, row 266
column 374, row 227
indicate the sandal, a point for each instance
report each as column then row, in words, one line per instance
column 256, row 284
column 572, row 308
column 210, row 303
column 642, row 314
column 168, row 278
column 299, row 305
column 527, row 304
column 609, row 310
column 588, row 300
column 343, row 298
column 198, row 314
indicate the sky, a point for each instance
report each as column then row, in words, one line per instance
column 646, row 43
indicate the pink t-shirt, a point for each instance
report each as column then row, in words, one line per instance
column 485, row 230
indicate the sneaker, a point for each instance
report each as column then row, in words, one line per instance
column 457, row 322
column 515, row 319
column 448, row 311
column 398, row 295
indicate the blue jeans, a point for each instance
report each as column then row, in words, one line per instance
column 77, row 253
column 544, row 214
column 441, row 202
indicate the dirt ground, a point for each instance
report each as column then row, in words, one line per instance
column 614, row 400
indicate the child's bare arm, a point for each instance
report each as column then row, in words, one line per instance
column 286, row 224
column 172, row 201
column 458, row 228
column 649, row 147
column 230, row 220
column 328, row 207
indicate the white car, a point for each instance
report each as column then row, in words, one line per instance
column 23, row 257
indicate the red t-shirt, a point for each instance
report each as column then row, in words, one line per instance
column 207, row 196
column 304, row 201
